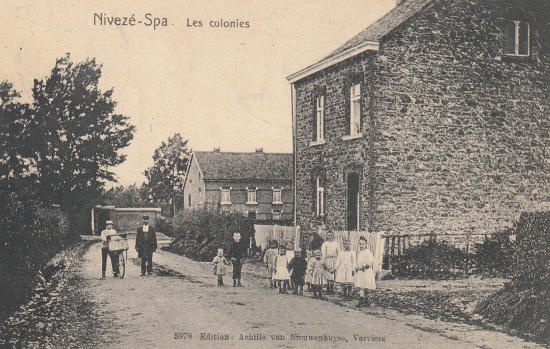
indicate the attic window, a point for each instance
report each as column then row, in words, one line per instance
column 517, row 38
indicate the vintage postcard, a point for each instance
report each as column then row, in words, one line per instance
column 275, row 174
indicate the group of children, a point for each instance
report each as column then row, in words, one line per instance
column 288, row 268
column 291, row 269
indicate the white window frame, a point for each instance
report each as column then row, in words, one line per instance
column 320, row 112
column 355, row 109
column 320, row 198
column 251, row 195
column 223, row 191
column 280, row 193
column 279, row 215
column 517, row 39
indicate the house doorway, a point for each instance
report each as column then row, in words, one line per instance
column 353, row 206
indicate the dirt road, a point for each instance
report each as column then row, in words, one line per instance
column 167, row 310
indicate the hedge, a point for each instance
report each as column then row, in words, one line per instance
column 523, row 305
column 199, row 233
column 31, row 235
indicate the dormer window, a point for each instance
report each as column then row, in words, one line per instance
column 517, row 38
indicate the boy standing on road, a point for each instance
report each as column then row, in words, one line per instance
column 105, row 237
column 237, row 253
column 146, row 244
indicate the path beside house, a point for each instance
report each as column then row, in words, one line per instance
column 182, row 297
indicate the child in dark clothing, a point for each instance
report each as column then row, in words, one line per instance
column 298, row 264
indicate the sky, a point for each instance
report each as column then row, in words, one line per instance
column 217, row 87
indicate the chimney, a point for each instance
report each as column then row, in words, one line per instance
column 259, row 150
column 216, row 149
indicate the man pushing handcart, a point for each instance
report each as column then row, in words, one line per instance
column 113, row 245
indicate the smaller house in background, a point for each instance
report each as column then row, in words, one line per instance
column 258, row 184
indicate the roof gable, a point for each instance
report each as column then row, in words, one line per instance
column 386, row 24
column 369, row 38
column 241, row 166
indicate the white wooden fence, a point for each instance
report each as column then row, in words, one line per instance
column 280, row 233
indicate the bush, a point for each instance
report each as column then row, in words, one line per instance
column 524, row 303
column 199, row 233
column 31, row 235
column 165, row 225
column 496, row 255
column 432, row 259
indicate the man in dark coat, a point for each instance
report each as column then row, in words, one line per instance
column 237, row 252
column 146, row 244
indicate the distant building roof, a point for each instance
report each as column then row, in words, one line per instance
column 369, row 38
column 258, row 165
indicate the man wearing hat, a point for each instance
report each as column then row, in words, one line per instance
column 105, row 237
column 146, row 244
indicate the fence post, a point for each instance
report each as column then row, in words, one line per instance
column 399, row 253
column 466, row 267
column 392, row 259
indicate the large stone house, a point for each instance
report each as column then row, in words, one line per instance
column 434, row 119
column 258, row 184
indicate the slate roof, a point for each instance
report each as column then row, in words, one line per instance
column 382, row 27
column 240, row 166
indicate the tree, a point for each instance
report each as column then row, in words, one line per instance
column 15, row 150
column 165, row 178
column 77, row 134
column 130, row 196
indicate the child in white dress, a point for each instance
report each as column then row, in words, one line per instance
column 319, row 278
column 282, row 276
column 220, row 263
column 364, row 277
column 345, row 269
column 270, row 259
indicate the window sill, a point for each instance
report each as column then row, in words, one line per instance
column 351, row 137
column 515, row 58
column 277, row 202
column 251, row 202
column 316, row 143
column 224, row 203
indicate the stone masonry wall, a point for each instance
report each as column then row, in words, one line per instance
column 455, row 138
